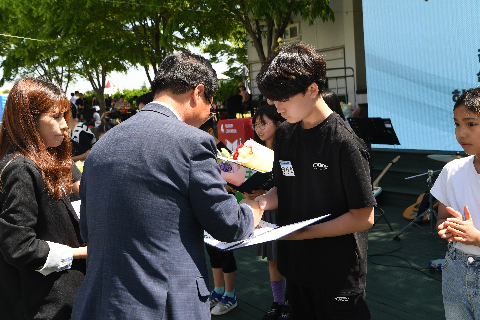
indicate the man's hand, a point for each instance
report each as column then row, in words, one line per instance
column 257, row 211
column 462, row 230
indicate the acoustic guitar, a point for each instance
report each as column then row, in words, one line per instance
column 411, row 212
column 385, row 170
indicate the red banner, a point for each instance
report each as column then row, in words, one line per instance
column 234, row 132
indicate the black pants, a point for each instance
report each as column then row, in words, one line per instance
column 307, row 303
column 221, row 259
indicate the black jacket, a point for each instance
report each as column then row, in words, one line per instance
column 28, row 218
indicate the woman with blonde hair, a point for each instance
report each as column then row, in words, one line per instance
column 40, row 266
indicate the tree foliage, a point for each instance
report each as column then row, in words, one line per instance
column 92, row 38
column 267, row 19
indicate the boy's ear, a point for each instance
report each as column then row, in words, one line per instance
column 313, row 90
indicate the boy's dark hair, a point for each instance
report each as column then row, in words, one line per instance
column 207, row 125
column 74, row 110
column 72, row 94
column 145, row 98
column 471, row 100
column 122, row 96
column 331, row 99
column 184, row 71
column 104, row 127
column 290, row 71
column 271, row 113
column 76, row 91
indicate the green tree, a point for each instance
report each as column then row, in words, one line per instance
column 83, row 38
column 37, row 60
column 167, row 26
column 267, row 19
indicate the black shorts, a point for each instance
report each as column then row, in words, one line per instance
column 307, row 303
column 221, row 259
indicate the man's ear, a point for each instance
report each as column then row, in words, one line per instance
column 199, row 93
column 210, row 131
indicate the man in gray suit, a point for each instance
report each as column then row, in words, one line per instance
column 150, row 187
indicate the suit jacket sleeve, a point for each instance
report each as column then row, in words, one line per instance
column 217, row 211
column 83, row 216
column 18, row 217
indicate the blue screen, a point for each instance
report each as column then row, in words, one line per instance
column 420, row 56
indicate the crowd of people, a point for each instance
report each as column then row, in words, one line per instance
column 151, row 186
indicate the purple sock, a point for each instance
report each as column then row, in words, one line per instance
column 277, row 289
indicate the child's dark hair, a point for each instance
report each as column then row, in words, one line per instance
column 331, row 99
column 145, row 98
column 104, row 127
column 271, row 113
column 290, row 71
column 471, row 100
column 207, row 125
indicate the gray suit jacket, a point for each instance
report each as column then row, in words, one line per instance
column 150, row 187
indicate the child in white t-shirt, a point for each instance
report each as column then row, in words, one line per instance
column 458, row 190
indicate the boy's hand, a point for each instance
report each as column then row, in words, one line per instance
column 262, row 202
column 462, row 230
column 443, row 232
column 257, row 211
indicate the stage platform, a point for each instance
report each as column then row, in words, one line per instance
column 399, row 284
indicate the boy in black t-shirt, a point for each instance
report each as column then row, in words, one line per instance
column 321, row 167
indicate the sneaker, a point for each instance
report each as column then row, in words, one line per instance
column 224, row 306
column 274, row 312
column 214, row 299
column 285, row 315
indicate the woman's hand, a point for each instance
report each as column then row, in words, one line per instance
column 253, row 195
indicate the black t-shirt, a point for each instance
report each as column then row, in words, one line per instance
column 327, row 171
column 108, row 102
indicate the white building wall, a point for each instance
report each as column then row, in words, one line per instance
column 335, row 40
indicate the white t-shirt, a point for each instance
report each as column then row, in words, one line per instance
column 73, row 99
column 457, row 186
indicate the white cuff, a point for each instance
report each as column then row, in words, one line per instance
column 59, row 258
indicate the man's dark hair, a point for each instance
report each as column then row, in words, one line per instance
column 145, row 98
column 184, row 71
column 290, row 71
column 122, row 96
column 332, row 101
column 207, row 125
column 76, row 92
column 471, row 100
column 72, row 94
